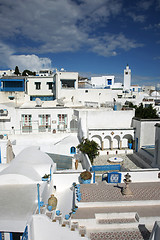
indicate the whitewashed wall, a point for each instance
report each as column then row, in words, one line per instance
column 44, row 90
column 145, row 131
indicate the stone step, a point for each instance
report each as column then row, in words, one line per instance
column 122, row 220
column 137, row 234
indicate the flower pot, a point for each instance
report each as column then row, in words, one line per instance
column 88, row 181
column 130, row 145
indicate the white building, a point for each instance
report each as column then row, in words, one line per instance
column 127, row 78
column 110, row 129
column 40, row 87
column 103, row 81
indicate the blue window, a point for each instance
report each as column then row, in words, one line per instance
column 72, row 150
column 11, row 85
column 109, row 81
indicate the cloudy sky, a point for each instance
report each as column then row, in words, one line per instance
column 92, row 37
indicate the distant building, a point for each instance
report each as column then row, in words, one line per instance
column 102, row 82
column 127, row 78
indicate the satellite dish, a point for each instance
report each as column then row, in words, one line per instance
column 38, row 102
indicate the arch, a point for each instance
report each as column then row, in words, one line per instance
column 125, row 139
column 72, row 150
column 97, row 139
column 73, row 125
column 107, row 142
column 116, row 141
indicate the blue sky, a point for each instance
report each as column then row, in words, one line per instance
column 92, row 37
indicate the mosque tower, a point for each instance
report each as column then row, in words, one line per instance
column 127, row 78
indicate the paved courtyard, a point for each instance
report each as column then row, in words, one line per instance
column 128, row 161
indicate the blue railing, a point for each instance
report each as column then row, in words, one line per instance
column 25, row 234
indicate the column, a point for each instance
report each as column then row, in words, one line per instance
column 111, row 145
column 102, row 145
column 120, row 144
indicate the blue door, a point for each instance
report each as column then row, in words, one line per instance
column 136, row 144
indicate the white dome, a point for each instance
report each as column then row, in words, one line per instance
column 155, row 93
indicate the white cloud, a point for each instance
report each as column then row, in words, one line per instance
column 31, row 62
column 145, row 4
column 136, row 17
column 53, row 26
column 110, row 44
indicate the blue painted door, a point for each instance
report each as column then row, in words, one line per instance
column 136, row 144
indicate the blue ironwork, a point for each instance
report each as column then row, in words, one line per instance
column 38, row 185
column 12, row 85
column 114, row 177
column 25, row 234
column 104, row 168
column 43, row 98
column 11, row 236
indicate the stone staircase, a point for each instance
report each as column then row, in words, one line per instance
column 72, row 229
column 143, row 161
column 109, row 221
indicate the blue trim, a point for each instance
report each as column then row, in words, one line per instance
column 25, row 234
column 11, row 236
column 0, row 236
column 38, row 185
column 43, row 98
column 50, row 173
column 104, row 168
column 149, row 146
column 12, row 85
column 136, row 144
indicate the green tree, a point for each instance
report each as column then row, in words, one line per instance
column 16, row 71
column 91, row 148
column 28, row 72
column 146, row 112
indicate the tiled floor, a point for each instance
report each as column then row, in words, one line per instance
column 121, row 235
column 103, row 192
column 110, row 221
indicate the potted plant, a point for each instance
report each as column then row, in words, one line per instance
column 45, row 177
column 85, row 177
column 130, row 143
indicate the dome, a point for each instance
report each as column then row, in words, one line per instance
column 155, row 93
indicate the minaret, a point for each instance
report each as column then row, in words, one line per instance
column 127, row 78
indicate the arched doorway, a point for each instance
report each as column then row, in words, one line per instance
column 116, row 142
column 107, row 142
column 97, row 139
column 73, row 125
column 125, row 139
